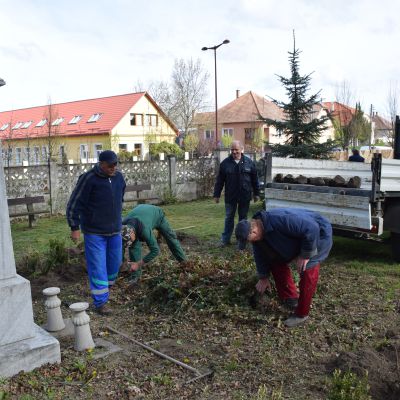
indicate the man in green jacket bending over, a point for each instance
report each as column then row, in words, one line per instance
column 138, row 227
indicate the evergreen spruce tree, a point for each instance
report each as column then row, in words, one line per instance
column 301, row 128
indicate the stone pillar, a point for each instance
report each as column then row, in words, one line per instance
column 23, row 345
column 172, row 173
column 83, row 336
column 55, row 320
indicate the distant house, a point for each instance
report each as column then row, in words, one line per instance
column 242, row 119
column 78, row 131
column 382, row 129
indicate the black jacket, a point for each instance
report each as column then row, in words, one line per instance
column 95, row 204
column 240, row 180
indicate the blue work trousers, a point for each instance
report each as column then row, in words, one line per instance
column 230, row 211
column 103, row 259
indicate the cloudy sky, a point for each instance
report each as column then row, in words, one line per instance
column 79, row 49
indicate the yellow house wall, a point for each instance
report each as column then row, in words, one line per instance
column 71, row 146
column 125, row 133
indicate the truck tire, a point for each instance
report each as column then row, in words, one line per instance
column 395, row 242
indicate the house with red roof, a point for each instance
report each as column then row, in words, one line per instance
column 78, row 131
column 243, row 119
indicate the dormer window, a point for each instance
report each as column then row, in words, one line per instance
column 4, row 127
column 17, row 125
column 57, row 121
column 26, row 125
column 41, row 122
column 75, row 120
column 94, row 117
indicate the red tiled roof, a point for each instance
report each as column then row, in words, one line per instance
column 340, row 111
column 112, row 108
column 381, row 123
column 249, row 107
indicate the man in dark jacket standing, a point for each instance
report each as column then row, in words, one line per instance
column 279, row 237
column 356, row 157
column 95, row 207
column 239, row 176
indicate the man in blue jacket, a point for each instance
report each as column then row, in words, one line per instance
column 356, row 157
column 279, row 237
column 95, row 207
column 239, row 176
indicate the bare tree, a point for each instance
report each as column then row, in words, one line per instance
column 184, row 95
column 189, row 91
column 392, row 109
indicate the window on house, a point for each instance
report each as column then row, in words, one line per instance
column 75, row 119
column 18, row 156
column 279, row 132
column 27, row 154
column 123, row 146
column 57, row 121
column 136, row 119
column 36, row 155
column 4, row 127
column 227, row 131
column 153, row 120
column 138, row 149
column 26, row 125
column 45, row 152
column 10, row 155
column 208, row 134
column 98, row 148
column 84, row 152
column 41, row 122
column 249, row 135
column 17, row 125
column 150, row 120
column 94, row 117
column 61, row 152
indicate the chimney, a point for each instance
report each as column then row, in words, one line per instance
column 332, row 107
column 237, row 93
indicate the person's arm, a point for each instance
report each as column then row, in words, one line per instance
column 151, row 241
column 76, row 204
column 219, row 183
column 255, row 183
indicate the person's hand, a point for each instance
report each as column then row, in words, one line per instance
column 75, row 236
column 301, row 264
column 216, row 199
column 256, row 198
column 262, row 285
column 134, row 266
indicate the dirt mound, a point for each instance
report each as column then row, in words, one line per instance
column 185, row 238
column 382, row 366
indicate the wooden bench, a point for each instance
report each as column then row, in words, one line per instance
column 138, row 189
column 29, row 202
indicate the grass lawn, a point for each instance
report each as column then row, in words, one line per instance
column 207, row 315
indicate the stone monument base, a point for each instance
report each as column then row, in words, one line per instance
column 28, row 354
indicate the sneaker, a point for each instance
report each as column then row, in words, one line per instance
column 105, row 310
column 291, row 303
column 294, row 320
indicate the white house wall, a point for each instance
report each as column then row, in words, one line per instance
column 125, row 133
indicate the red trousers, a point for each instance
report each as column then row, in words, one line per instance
column 286, row 287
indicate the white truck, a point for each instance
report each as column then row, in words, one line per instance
column 362, row 213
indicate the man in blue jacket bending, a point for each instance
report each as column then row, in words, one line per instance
column 95, row 207
column 283, row 235
column 239, row 176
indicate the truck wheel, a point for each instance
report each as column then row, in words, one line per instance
column 395, row 241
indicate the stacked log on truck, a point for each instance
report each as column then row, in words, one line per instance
column 338, row 181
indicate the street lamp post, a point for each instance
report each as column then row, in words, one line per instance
column 226, row 41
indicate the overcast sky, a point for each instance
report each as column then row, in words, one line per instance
column 73, row 50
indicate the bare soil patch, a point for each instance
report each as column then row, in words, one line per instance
column 206, row 314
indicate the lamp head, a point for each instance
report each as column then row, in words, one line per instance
column 2, row 82
column 205, row 48
column 226, row 41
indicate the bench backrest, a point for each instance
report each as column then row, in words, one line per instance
column 135, row 188
column 25, row 200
